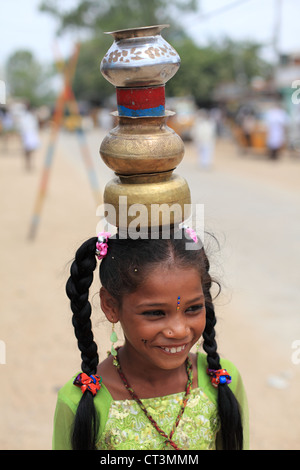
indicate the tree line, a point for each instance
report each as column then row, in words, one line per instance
column 202, row 68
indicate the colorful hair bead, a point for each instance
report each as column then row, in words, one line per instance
column 219, row 377
column 88, row 382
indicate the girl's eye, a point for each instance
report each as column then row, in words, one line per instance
column 153, row 313
column 195, row 308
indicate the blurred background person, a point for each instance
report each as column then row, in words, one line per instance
column 6, row 126
column 248, row 126
column 276, row 123
column 29, row 132
column 204, row 137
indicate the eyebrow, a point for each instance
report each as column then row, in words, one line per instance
column 197, row 299
column 158, row 304
column 161, row 304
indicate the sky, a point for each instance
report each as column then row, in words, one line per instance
column 22, row 26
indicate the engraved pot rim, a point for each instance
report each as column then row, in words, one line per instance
column 137, row 32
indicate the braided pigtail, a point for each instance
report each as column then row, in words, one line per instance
column 77, row 289
column 228, row 407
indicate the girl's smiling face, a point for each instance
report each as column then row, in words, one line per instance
column 155, row 327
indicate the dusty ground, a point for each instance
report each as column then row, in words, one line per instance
column 253, row 207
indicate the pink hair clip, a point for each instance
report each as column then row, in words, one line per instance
column 191, row 232
column 101, row 245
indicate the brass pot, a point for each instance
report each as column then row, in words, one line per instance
column 142, row 145
column 147, row 204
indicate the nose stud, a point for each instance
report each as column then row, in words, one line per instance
column 178, row 303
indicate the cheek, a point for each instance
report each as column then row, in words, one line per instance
column 135, row 332
column 201, row 323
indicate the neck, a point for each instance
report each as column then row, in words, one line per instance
column 148, row 380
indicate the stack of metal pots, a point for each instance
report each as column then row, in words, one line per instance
column 142, row 150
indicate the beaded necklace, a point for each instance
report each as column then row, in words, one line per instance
column 168, row 439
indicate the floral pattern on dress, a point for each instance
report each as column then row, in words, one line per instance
column 127, row 427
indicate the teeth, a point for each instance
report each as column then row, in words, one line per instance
column 174, row 350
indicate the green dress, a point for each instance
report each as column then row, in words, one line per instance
column 124, row 426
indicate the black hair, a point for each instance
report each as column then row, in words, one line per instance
column 77, row 288
column 122, row 271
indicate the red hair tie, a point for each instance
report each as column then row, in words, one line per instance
column 88, row 382
column 219, row 376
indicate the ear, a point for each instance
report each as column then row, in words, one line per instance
column 109, row 305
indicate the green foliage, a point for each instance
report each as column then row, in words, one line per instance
column 27, row 79
column 88, row 83
column 99, row 16
column 202, row 68
column 107, row 15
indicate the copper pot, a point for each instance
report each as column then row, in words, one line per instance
column 142, row 145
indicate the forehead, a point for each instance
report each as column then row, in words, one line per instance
column 167, row 281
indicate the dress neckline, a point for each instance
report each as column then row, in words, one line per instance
column 167, row 397
column 198, row 387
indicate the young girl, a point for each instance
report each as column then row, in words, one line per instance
column 152, row 393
